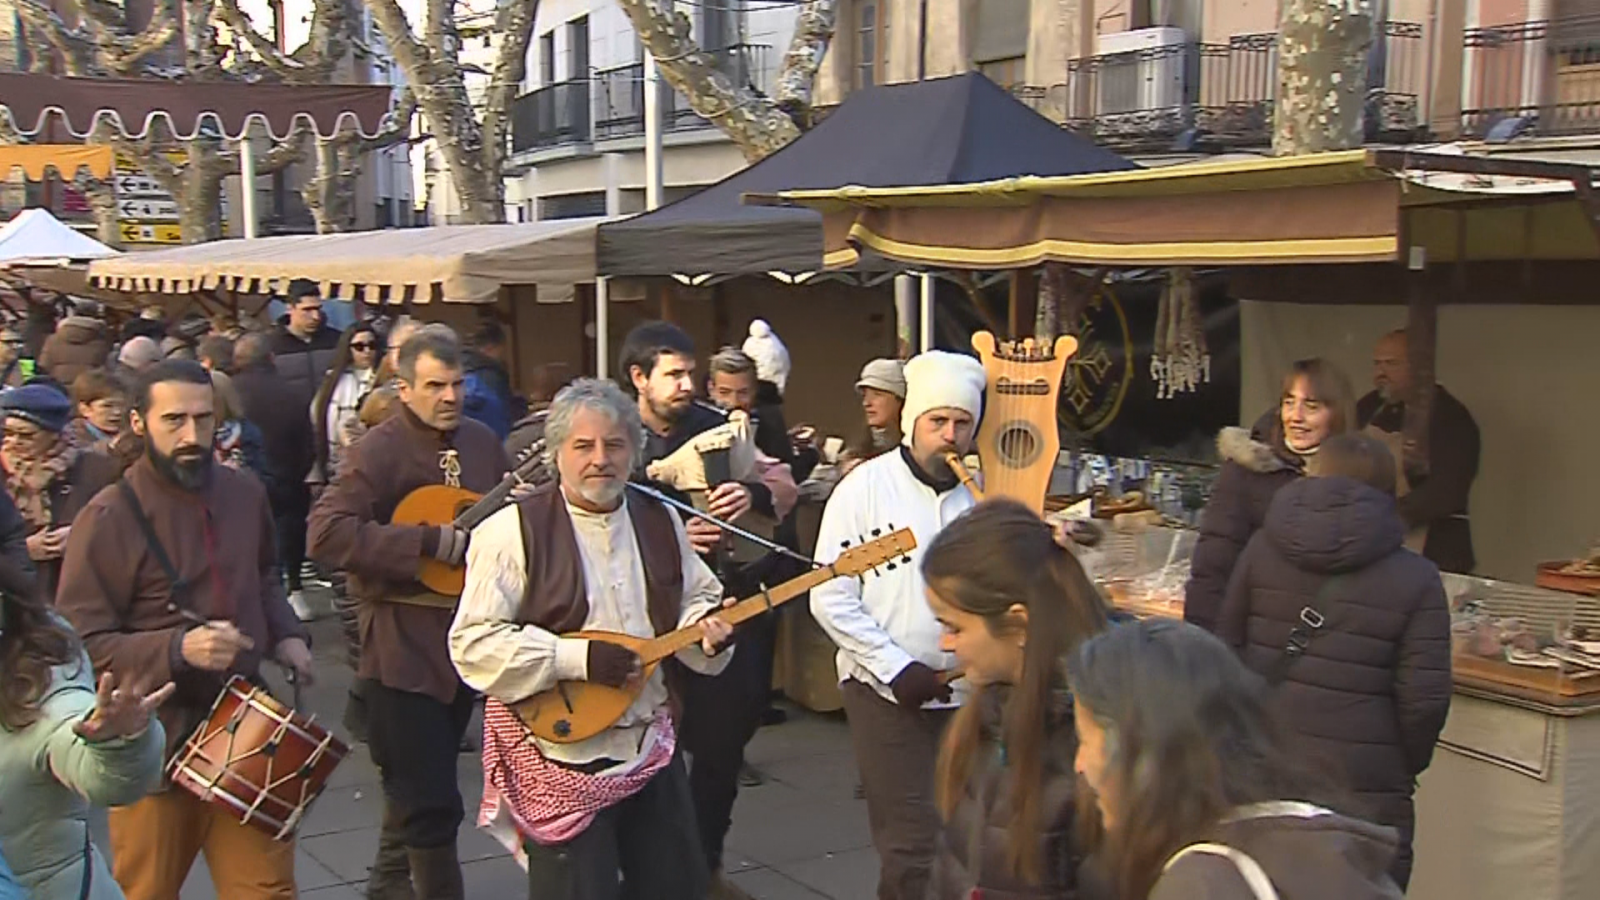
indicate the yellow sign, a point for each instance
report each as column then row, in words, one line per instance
column 150, row 232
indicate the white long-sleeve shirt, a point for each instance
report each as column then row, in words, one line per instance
column 881, row 622
column 512, row 662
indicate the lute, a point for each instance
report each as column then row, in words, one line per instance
column 575, row 711
column 440, row 504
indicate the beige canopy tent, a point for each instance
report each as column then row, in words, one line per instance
column 448, row 263
column 1360, row 206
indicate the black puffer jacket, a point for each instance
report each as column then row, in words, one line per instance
column 971, row 858
column 302, row 364
column 1373, row 687
column 1252, row 472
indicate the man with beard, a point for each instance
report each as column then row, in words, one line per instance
column 889, row 641
column 585, row 555
column 1432, row 503
column 720, row 712
column 181, row 538
column 417, row 708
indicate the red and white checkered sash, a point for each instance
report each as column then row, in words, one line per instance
column 550, row 803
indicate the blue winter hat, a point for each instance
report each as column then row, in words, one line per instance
column 40, row 404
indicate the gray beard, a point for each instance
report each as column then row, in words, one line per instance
column 602, row 497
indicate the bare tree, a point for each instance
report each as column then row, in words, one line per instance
column 757, row 124
column 1322, row 75
column 473, row 140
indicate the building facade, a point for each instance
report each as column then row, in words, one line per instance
column 578, row 131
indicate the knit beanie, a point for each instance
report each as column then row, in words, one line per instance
column 938, row 379
column 139, row 352
column 40, row 404
column 771, row 356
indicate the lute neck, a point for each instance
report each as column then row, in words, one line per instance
column 667, row 644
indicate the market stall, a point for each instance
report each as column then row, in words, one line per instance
column 1499, row 812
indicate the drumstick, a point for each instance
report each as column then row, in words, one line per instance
column 288, row 670
column 960, row 468
column 950, row 675
column 194, row 617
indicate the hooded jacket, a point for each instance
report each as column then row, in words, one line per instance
column 1307, row 852
column 487, row 392
column 302, row 363
column 1252, row 472
column 1372, row 689
column 80, row 343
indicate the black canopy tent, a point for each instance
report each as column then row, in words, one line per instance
column 946, row 130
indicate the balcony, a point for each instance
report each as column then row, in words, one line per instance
column 1223, row 94
column 553, row 115
column 619, row 93
column 1545, row 75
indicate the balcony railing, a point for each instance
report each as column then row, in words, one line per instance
column 1545, row 73
column 550, row 116
column 1224, row 93
column 619, row 92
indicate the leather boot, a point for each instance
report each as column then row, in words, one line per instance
column 436, row 872
column 391, row 871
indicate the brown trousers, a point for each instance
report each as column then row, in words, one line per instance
column 897, row 749
column 154, row 843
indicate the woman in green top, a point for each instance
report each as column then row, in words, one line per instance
column 65, row 743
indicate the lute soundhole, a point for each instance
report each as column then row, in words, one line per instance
column 1019, row 444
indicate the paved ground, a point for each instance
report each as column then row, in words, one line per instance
column 801, row 835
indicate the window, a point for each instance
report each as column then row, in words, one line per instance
column 578, row 49
column 1008, row 73
column 872, row 29
column 547, row 58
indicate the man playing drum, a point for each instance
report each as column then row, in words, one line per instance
column 417, row 708
column 586, row 555
column 180, row 541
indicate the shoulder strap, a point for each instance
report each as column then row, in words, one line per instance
column 1250, row 870
column 1312, row 620
column 149, row 530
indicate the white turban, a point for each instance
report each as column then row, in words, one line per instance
column 770, row 355
column 937, row 379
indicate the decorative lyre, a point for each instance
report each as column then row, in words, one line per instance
column 1017, row 441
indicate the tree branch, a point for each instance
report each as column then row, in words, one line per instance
column 279, row 64
column 75, row 47
column 514, row 20
column 813, row 32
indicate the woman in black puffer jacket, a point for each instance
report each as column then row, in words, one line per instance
column 1316, row 403
column 1371, row 690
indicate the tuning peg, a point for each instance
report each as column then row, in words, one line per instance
column 876, row 532
column 906, row 559
column 890, row 567
column 845, row 544
column 889, row 525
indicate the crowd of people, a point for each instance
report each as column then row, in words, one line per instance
column 173, row 490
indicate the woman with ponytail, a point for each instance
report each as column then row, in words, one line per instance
column 1012, row 602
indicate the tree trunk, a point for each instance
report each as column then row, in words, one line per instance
column 1322, row 75
column 813, row 31
column 330, row 192
column 751, row 120
column 102, row 197
column 200, row 196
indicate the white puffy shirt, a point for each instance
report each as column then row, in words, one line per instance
column 881, row 622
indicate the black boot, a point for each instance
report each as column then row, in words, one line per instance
column 355, row 712
column 391, row 871
column 436, row 872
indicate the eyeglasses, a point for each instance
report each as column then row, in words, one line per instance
column 362, row 345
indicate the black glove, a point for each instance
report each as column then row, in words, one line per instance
column 452, row 548
column 610, row 664
column 917, row 685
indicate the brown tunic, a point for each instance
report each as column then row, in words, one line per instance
column 220, row 539
column 404, row 646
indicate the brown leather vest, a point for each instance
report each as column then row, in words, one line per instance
column 557, row 599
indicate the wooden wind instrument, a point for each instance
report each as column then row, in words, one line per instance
column 953, row 459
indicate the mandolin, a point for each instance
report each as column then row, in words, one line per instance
column 441, row 504
column 575, row 711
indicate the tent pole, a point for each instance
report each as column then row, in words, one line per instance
column 652, row 133
column 905, row 315
column 602, row 327
column 247, row 184
column 925, row 316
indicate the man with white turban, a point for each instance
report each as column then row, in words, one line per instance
column 889, row 658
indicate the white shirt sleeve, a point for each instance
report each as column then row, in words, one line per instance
column 702, row 593
column 837, row 605
column 492, row 653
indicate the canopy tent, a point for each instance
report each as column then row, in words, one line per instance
column 1349, row 207
column 188, row 108
column 958, row 129
column 66, row 159
column 36, row 236
column 449, row 263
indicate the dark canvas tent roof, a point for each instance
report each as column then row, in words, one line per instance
column 948, row 130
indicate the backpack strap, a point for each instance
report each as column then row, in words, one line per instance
column 1250, row 870
column 1313, row 618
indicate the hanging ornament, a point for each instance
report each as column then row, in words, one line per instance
column 1179, row 361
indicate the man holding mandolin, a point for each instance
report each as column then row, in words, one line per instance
column 417, row 707
column 601, row 792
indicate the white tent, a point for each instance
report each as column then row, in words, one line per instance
column 35, row 236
